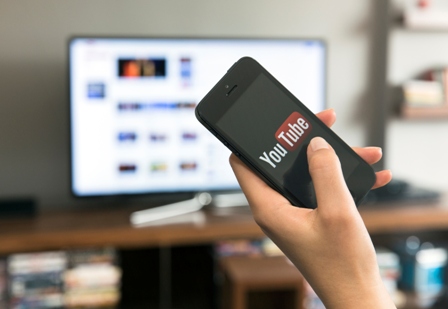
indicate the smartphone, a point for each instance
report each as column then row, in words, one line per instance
column 269, row 129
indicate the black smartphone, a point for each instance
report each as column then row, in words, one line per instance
column 269, row 129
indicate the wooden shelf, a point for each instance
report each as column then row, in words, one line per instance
column 389, row 218
column 399, row 24
column 439, row 112
column 54, row 230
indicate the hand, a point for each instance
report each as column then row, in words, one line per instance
column 370, row 154
column 330, row 245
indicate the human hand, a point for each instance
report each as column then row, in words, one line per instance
column 330, row 245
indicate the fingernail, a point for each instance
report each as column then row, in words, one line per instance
column 330, row 110
column 318, row 143
column 375, row 148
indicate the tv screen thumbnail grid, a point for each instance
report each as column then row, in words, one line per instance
column 132, row 100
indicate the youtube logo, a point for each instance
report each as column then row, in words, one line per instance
column 289, row 135
column 293, row 131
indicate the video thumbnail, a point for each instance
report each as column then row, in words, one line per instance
column 131, row 68
column 159, row 167
column 188, row 166
column 158, row 137
column 129, row 106
column 96, row 90
column 189, row 136
column 127, row 136
column 139, row 106
column 127, row 168
column 185, row 68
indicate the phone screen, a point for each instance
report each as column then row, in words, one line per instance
column 275, row 132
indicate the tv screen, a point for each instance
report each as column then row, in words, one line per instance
column 132, row 100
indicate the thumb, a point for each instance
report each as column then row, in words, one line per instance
column 329, row 184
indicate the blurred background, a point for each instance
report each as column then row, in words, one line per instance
column 386, row 78
column 34, row 81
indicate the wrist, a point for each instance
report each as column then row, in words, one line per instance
column 366, row 293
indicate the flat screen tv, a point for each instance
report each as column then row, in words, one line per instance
column 132, row 100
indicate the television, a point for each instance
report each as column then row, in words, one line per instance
column 133, row 128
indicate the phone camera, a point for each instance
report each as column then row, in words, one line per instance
column 227, row 86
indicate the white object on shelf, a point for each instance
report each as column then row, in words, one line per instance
column 423, row 93
column 230, row 200
column 144, row 217
column 434, row 17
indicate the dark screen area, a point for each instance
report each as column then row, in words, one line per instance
column 252, row 126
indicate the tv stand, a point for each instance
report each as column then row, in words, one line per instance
column 148, row 216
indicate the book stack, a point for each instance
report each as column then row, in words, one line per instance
column 390, row 271
column 247, row 247
column 35, row 280
column 429, row 90
column 427, row 95
column 92, row 279
column 2, row 284
column 238, row 247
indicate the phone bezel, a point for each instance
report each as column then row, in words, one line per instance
column 216, row 103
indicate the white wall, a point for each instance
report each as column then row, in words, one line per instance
column 33, row 84
column 417, row 149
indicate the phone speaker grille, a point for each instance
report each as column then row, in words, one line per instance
column 231, row 90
